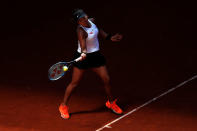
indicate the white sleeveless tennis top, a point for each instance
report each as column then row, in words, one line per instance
column 92, row 43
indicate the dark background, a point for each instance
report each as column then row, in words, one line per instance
column 158, row 45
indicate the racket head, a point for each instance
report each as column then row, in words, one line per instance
column 56, row 71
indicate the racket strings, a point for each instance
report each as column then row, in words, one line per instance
column 57, row 70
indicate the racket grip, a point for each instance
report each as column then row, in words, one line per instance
column 78, row 59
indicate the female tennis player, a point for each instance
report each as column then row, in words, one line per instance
column 88, row 49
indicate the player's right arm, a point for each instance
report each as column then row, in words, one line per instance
column 82, row 35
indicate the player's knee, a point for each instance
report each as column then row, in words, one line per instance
column 106, row 80
column 73, row 83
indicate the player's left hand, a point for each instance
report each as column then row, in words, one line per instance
column 117, row 37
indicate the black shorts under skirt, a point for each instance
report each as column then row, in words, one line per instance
column 92, row 60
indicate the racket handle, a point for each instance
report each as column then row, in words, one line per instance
column 78, row 59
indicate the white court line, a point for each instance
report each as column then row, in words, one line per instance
column 148, row 102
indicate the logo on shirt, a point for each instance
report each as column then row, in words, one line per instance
column 91, row 32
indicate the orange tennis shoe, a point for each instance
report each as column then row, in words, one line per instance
column 64, row 111
column 114, row 107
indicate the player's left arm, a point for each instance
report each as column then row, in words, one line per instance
column 108, row 36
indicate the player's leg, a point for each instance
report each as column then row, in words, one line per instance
column 76, row 77
column 111, row 103
column 103, row 74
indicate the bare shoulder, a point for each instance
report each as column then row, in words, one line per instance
column 81, row 31
column 92, row 19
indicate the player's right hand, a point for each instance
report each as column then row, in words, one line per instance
column 83, row 56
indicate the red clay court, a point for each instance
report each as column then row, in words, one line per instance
column 34, row 106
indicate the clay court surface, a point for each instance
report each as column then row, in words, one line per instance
column 157, row 53
column 33, row 106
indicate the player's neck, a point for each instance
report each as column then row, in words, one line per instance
column 86, row 24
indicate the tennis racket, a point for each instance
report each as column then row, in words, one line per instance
column 58, row 70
